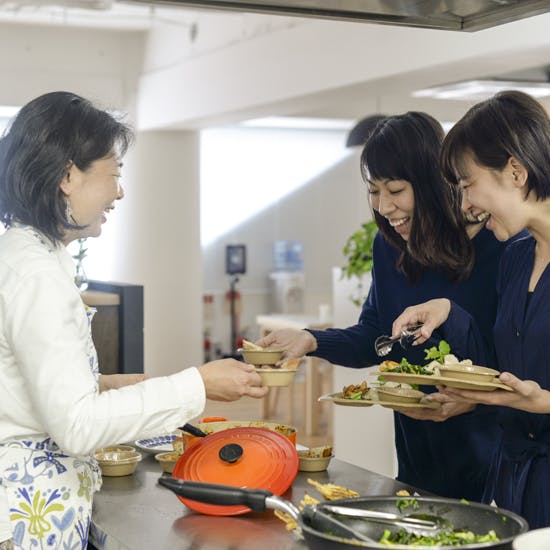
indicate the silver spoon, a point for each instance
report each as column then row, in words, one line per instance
column 383, row 344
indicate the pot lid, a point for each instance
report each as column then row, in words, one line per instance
column 255, row 458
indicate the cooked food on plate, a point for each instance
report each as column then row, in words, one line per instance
column 409, row 368
column 356, row 391
column 440, row 356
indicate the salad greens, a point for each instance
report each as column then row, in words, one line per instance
column 404, row 503
column 448, row 538
column 433, row 354
column 438, row 353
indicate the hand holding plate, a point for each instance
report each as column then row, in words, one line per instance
column 526, row 395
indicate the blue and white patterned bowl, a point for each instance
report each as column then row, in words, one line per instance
column 157, row 444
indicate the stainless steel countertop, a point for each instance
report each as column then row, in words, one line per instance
column 135, row 513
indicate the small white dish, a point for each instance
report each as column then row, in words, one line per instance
column 538, row 539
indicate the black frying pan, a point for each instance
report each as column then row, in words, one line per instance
column 322, row 532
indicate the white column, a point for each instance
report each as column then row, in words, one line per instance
column 158, row 245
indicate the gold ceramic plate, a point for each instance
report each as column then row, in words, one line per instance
column 337, row 399
column 433, row 380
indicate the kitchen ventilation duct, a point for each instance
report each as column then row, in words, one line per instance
column 456, row 15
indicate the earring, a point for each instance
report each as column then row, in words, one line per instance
column 68, row 212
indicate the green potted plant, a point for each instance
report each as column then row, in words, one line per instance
column 358, row 253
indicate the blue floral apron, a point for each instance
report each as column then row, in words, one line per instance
column 49, row 493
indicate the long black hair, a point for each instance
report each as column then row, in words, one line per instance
column 509, row 124
column 47, row 135
column 407, row 147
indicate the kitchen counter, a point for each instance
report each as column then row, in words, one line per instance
column 135, row 513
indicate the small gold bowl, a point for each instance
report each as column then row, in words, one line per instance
column 399, row 395
column 312, row 464
column 167, row 461
column 117, row 463
column 276, row 377
column 261, row 357
column 471, row 373
column 117, row 449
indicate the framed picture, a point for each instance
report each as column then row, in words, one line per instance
column 235, row 259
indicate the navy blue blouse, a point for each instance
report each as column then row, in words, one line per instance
column 448, row 458
column 520, row 477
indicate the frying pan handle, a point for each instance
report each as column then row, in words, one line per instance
column 211, row 493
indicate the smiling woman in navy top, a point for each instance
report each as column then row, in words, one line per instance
column 499, row 154
column 425, row 249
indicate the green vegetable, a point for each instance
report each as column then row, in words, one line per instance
column 438, row 353
column 409, row 368
column 404, row 503
column 448, row 538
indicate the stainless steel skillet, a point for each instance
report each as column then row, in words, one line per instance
column 321, row 533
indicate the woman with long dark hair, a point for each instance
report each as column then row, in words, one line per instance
column 499, row 155
column 425, row 248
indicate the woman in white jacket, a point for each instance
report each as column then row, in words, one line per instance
column 59, row 169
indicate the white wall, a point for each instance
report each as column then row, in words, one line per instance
column 102, row 65
column 321, row 214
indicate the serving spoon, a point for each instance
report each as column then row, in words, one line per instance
column 383, row 344
column 421, row 524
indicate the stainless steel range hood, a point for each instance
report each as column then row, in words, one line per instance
column 456, row 15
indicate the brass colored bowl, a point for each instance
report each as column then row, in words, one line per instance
column 315, row 464
column 117, row 463
column 167, row 461
column 261, row 357
column 276, row 377
column 469, row 372
column 399, row 395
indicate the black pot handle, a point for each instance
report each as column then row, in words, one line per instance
column 193, row 430
column 211, row 493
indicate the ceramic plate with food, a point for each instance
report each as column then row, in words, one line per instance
column 338, row 399
column 434, row 380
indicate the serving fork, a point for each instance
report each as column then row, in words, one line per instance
column 383, row 344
